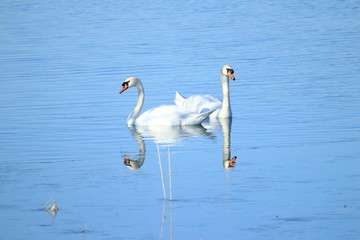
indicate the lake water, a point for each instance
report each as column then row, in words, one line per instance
column 295, row 128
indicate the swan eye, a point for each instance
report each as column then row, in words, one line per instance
column 230, row 70
column 125, row 83
column 127, row 162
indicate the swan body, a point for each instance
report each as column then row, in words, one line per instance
column 168, row 115
column 203, row 103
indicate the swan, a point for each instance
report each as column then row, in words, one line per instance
column 203, row 103
column 169, row 115
column 135, row 161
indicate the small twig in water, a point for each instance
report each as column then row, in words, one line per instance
column 84, row 229
column 51, row 207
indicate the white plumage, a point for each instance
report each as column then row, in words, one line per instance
column 169, row 115
column 204, row 103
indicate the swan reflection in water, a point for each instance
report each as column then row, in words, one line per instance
column 225, row 125
column 163, row 135
column 173, row 135
column 135, row 161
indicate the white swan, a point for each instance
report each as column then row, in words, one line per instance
column 203, row 103
column 169, row 115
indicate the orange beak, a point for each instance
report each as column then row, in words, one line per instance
column 127, row 162
column 125, row 86
column 232, row 162
column 231, row 76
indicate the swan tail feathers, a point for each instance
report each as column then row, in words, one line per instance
column 179, row 99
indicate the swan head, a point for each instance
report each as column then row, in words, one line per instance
column 129, row 82
column 227, row 70
column 133, row 164
column 230, row 164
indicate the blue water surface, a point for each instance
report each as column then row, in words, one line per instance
column 295, row 128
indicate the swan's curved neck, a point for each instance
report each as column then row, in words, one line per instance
column 137, row 163
column 225, row 109
column 140, row 101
